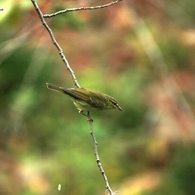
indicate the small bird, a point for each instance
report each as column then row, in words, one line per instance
column 87, row 99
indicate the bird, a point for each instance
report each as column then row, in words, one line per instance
column 86, row 99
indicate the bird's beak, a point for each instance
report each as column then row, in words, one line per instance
column 119, row 108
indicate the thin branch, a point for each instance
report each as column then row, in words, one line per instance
column 98, row 158
column 80, row 9
column 73, row 76
column 55, row 43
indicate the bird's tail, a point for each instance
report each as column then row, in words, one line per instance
column 54, row 87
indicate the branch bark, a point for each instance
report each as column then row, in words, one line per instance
column 80, row 9
column 61, row 53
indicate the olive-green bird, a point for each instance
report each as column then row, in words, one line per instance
column 87, row 99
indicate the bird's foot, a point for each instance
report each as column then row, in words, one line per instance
column 90, row 119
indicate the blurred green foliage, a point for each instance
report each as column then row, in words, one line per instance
column 180, row 173
column 43, row 139
column 176, row 58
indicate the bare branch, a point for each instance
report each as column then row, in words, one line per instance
column 72, row 73
column 80, row 9
column 98, row 158
column 55, row 43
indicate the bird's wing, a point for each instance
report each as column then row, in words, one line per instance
column 78, row 94
column 96, row 100
column 86, row 95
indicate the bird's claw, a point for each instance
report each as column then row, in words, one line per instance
column 90, row 119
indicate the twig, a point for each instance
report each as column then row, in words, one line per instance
column 55, row 43
column 80, row 9
column 98, row 158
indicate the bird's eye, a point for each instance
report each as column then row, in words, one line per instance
column 114, row 103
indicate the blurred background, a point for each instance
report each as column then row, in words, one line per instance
column 139, row 51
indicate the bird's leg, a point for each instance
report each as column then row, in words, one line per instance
column 90, row 119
